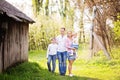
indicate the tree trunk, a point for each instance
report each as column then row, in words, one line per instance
column 101, row 45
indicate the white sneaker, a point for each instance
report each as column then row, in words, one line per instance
column 71, row 75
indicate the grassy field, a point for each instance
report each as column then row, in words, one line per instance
column 98, row 68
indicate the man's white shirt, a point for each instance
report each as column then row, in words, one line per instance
column 61, row 43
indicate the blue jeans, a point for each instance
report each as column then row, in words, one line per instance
column 62, row 57
column 53, row 59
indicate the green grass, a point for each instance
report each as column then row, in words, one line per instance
column 97, row 68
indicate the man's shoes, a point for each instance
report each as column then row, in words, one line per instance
column 62, row 74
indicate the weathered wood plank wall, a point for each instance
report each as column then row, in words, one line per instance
column 24, row 41
column 14, row 48
column 0, row 59
column 2, row 32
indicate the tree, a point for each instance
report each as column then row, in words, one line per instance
column 104, row 9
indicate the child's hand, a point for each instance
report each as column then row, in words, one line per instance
column 73, row 49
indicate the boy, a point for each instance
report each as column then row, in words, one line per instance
column 51, row 55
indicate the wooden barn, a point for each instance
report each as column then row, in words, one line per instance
column 14, row 26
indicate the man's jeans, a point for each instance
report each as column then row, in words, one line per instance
column 53, row 59
column 62, row 57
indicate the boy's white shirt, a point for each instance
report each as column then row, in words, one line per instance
column 52, row 49
column 61, row 43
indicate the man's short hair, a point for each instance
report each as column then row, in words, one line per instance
column 62, row 28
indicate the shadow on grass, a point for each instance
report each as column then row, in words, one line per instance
column 32, row 71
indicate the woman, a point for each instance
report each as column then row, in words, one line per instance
column 70, row 51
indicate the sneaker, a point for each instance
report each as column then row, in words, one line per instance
column 71, row 75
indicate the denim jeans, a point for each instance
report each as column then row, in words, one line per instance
column 51, row 58
column 62, row 57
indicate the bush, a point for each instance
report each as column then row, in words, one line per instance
column 117, row 30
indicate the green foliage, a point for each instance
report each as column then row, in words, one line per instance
column 117, row 29
column 36, row 6
column 46, row 7
column 26, row 71
column 116, row 52
column 41, row 32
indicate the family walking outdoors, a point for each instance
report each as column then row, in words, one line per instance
column 62, row 47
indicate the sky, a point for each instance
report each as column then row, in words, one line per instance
column 20, row 1
column 24, row 5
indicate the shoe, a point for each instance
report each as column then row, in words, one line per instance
column 62, row 74
column 71, row 75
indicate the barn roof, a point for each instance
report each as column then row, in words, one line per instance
column 13, row 12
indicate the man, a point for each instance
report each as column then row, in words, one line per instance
column 62, row 52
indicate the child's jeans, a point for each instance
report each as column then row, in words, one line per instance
column 51, row 58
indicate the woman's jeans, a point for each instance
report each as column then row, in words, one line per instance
column 53, row 59
column 62, row 57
